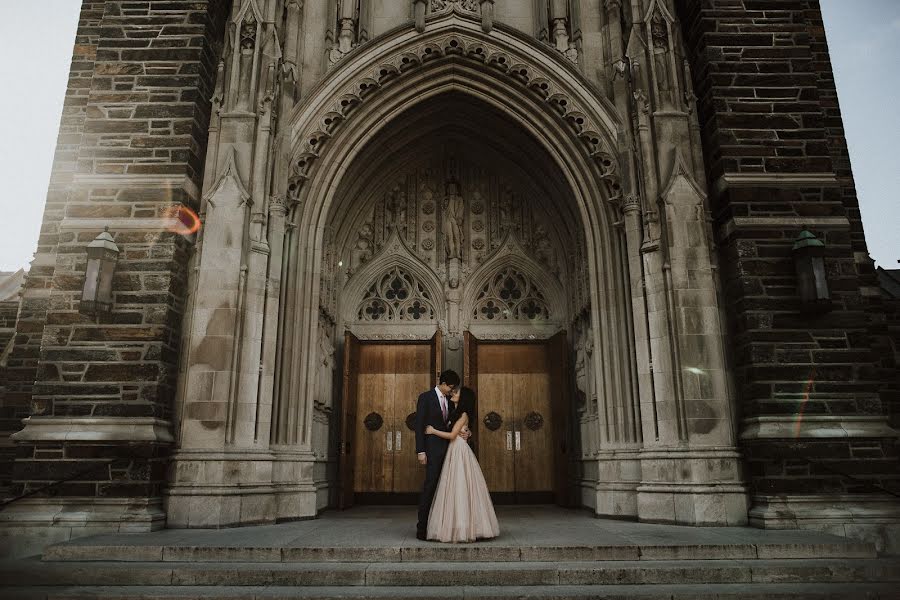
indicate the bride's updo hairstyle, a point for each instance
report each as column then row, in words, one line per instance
column 466, row 405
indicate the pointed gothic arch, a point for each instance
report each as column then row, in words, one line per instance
column 541, row 93
column 395, row 259
column 530, row 280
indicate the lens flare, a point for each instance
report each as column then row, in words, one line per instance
column 809, row 384
column 186, row 221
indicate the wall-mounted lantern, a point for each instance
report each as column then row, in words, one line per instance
column 102, row 254
column 809, row 261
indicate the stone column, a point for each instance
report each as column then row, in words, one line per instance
column 690, row 469
column 222, row 472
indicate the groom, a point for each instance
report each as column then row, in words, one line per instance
column 433, row 408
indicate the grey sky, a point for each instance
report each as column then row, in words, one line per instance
column 863, row 35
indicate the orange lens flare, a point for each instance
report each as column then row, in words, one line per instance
column 186, row 220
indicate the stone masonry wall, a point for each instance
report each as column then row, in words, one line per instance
column 21, row 369
column 10, row 417
column 777, row 161
column 131, row 151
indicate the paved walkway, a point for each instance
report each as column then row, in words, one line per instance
column 393, row 527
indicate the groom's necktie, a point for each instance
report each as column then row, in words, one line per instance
column 444, row 408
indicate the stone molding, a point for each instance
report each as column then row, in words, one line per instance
column 95, row 429
column 873, row 518
column 121, row 224
column 457, row 37
column 737, row 180
column 816, row 426
column 114, row 181
column 786, row 222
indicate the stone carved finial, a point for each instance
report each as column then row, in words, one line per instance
column 278, row 205
column 630, row 204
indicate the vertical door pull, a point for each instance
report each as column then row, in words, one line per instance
column 390, row 441
column 518, row 441
column 399, row 439
column 509, row 440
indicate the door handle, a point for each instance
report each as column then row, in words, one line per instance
column 399, row 439
column 390, row 441
column 509, row 445
column 518, row 441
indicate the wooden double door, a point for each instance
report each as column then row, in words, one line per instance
column 519, row 428
column 522, row 417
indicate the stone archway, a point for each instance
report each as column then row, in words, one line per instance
column 644, row 421
column 539, row 92
column 549, row 105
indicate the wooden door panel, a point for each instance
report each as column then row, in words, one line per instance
column 374, row 463
column 494, row 395
column 413, row 376
column 513, row 381
column 534, row 458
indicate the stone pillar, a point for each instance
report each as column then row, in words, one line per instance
column 818, row 445
column 228, row 469
column 690, row 469
column 130, row 149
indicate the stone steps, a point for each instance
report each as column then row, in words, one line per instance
column 867, row 591
column 87, row 551
column 647, row 572
column 198, row 566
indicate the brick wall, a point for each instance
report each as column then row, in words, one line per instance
column 131, row 147
column 777, row 160
column 22, row 363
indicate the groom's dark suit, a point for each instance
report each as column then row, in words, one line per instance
column 428, row 412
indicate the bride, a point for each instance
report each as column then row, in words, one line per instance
column 462, row 510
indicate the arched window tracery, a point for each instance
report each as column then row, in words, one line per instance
column 510, row 295
column 396, row 296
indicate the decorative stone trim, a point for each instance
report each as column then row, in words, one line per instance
column 114, row 181
column 94, row 429
column 797, row 223
column 457, row 40
column 874, row 518
column 775, row 180
column 816, row 426
column 121, row 224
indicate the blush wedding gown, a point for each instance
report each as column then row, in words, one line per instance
column 462, row 510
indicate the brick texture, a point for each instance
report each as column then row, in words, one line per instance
column 137, row 107
column 767, row 105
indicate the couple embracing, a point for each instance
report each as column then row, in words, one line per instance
column 455, row 505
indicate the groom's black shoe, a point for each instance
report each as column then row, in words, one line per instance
column 421, row 535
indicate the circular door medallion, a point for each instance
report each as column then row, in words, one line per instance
column 411, row 421
column 493, row 421
column 534, row 421
column 373, row 421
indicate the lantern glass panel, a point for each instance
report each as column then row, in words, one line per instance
column 104, row 285
column 91, row 277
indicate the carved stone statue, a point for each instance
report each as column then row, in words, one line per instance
column 362, row 250
column 324, row 377
column 543, row 249
column 395, row 210
column 454, row 214
column 660, row 44
column 580, row 369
